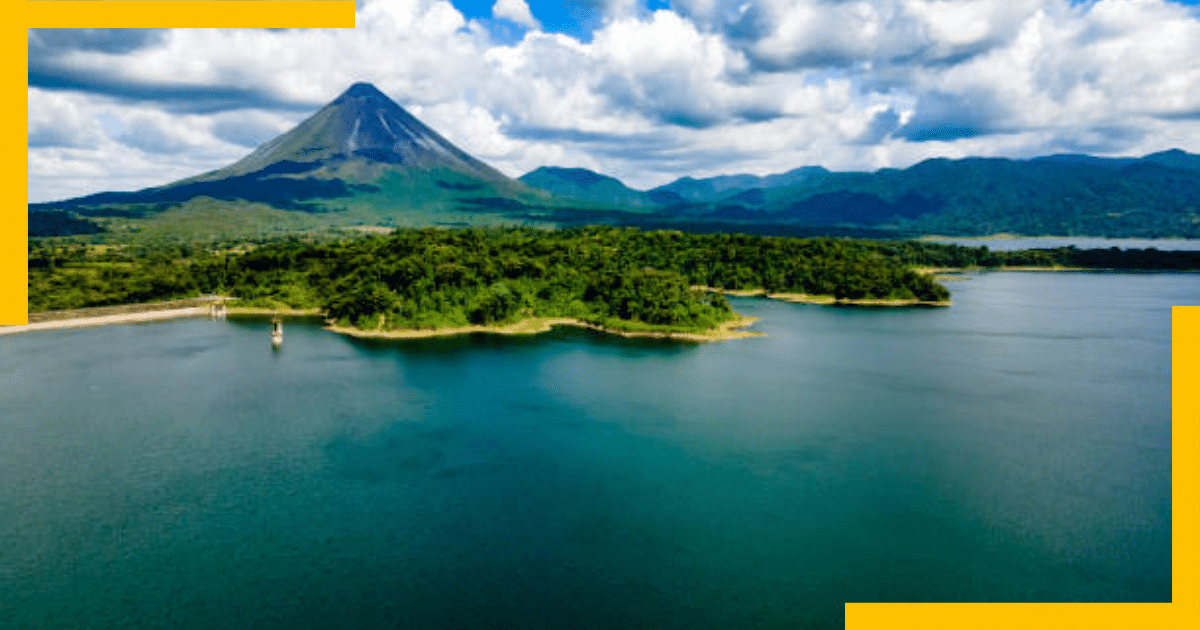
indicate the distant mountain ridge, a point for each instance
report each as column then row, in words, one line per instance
column 1155, row 195
column 713, row 188
column 363, row 160
column 584, row 185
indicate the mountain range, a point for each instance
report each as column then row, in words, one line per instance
column 1156, row 195
column 364, row 160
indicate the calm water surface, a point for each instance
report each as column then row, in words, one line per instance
column 1016, row 446
column 1048, row 242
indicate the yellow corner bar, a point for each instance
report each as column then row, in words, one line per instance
column 14, row 151
column 1185, row 582
column 191, row 14
column 1006, row 616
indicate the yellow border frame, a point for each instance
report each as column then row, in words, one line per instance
column 299, row 14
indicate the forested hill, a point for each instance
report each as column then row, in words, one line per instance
column 616, row 277
column 1154, row 196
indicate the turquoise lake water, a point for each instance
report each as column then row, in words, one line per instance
column 1013, row 447
column 1082, row 242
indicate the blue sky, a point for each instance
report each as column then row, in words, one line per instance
column 576, row 18
column 643, row 90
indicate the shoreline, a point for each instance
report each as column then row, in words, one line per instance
column 119, row 314
column 530, row 326
column 826, row 300
column 1012, row 236
column 961, row 270
column 535, row 325
column 937, row 270
column 90, row 312
column 104, row 320
column 282, row 312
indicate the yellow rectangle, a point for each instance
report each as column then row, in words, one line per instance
column 192, row 14
column 14, row 216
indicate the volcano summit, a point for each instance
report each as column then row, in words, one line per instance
column 362, row 131
column 360, row 159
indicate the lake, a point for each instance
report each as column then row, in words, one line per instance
column 1013, row 447
column 1081, row 242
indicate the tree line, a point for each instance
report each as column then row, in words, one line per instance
column 619, row 277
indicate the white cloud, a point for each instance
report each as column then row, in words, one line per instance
column 117, row 147
column 713, row 86
column 516, row 11
column 55, row 120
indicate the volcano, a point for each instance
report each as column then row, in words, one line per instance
column 362, row 156
column 358, row 136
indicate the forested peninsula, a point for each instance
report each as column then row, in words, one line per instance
column 619, row 279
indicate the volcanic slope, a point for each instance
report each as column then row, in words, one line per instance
column 361, row 159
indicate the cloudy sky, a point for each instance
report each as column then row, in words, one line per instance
column 644, row 90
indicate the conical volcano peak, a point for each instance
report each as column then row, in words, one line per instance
column 361, row 132
column 363, row 90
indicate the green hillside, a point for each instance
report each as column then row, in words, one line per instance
column 1068, row 195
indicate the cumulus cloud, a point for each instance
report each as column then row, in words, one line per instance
column 950, row 116
column 516, row 11
column 666, row 68
column 783, row 34
column 51, row 41
column 707, row 87
column 56, row 121
column 87, row 144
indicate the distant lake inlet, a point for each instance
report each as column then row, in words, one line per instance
column 1051, row 242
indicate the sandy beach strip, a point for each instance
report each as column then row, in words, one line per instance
column 1053, row 268
column 122, row 318
column 119, row 314
column 531, row 326
column 804, row 298
column 282, row 312
column 534, row 325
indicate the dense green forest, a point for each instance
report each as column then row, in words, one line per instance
column 617, row 277
column 926, row 254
